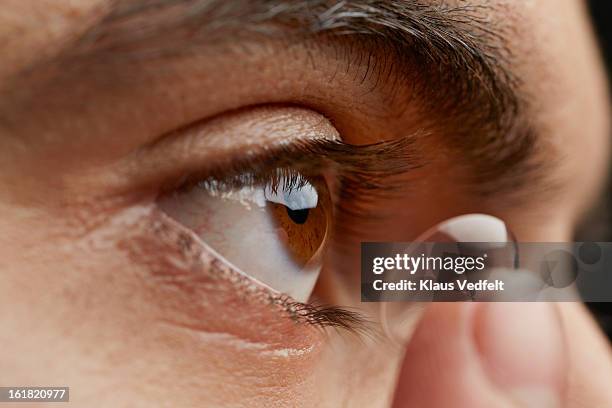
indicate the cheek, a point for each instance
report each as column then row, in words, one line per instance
column 137, row 299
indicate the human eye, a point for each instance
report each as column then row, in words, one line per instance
column 272, row 226
column 256, row 213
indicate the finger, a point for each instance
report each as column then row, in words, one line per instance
column 484, row 355
column 589, row 359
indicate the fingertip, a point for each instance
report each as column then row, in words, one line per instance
column 521, row 347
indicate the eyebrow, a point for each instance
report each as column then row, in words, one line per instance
column 456, row 61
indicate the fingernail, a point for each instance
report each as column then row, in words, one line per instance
column 522, row 351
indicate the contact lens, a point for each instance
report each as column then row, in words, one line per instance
column 463, row 235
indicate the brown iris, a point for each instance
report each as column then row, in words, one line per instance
column 303, row 230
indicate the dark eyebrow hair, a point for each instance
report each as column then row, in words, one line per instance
column 455, row 60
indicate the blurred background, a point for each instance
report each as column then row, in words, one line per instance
column 599, row 226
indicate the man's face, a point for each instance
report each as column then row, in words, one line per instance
column 123, row 125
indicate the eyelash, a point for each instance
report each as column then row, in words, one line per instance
column 324, row 316
column 287, row 179
column 296, row 164
column 359, row 171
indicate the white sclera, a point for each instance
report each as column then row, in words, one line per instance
column 399, row 318
column 295, row 199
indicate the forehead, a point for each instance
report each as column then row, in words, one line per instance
column 547, row 46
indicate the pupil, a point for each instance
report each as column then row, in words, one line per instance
column 298, row 216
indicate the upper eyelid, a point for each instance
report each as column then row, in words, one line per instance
column 216, row 142
column 209, row 149
column 369, row 167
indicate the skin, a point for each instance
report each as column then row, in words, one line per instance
column 98, row 290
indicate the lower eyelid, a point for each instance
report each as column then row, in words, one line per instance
column 191, row 289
